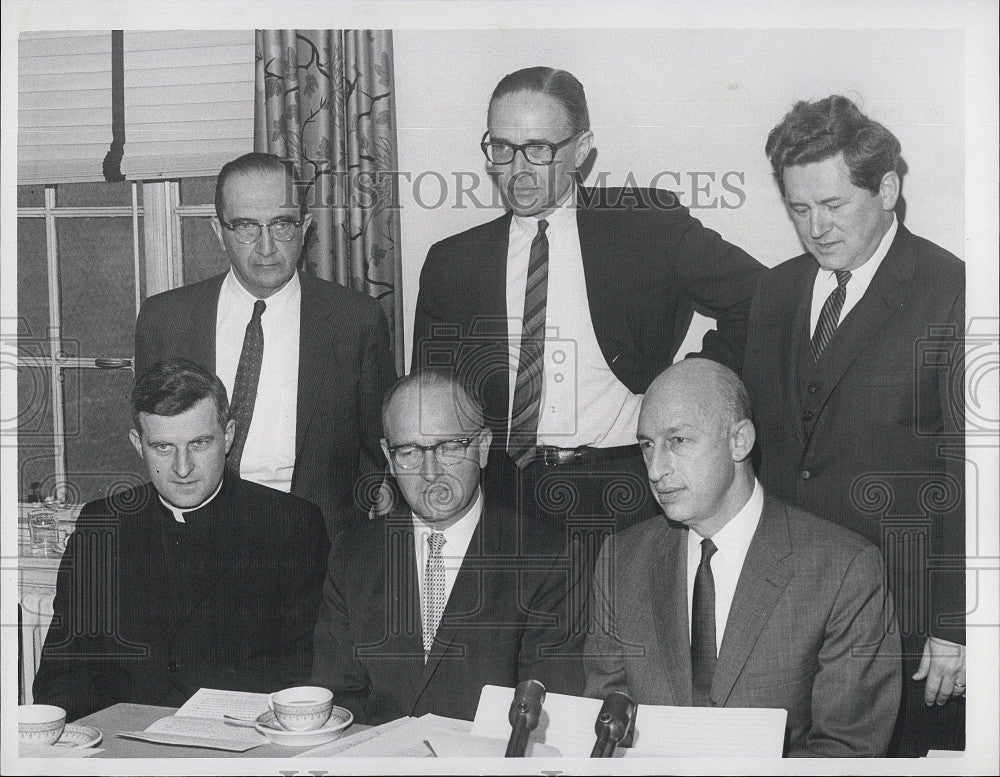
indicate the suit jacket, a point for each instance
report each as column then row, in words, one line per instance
column 810, row 630
column 647, row 263
column 506, row 620
column 344, row 367
column 882, row 450
column 240, row 614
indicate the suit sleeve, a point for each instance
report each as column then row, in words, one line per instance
column 720, row 278
column 148, row 349
column 334, row 663
column 377, row 374
column 604, row 667
column 65, row 678
column 428, row 312
column 302, row 582
column 855, row 693
column 947, row 586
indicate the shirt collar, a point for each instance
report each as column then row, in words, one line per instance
column 564, row 212
column 178, row 512
column 459, row 534
column 734, row 538
column 235, row 292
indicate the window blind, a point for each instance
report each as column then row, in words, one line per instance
column 189, row 97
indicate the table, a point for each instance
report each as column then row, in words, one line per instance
column 136, row 717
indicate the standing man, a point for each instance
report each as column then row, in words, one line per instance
column 449, row 592
column 305, row 360
column 196, row 579
column 853, row 365
column 566, row 307
column 737, row 599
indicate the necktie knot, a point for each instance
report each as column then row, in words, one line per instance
column 436, row 540
column 707, row 550
column 542, row 226
column 843, row 276
column 258, row 308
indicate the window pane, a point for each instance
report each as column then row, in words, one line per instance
column 34, row 425
column 96, row 193
column 96, row 274
column 32, row 279
column 198, row 191
column 99, row 458
column 30, row 196
column 203, row 257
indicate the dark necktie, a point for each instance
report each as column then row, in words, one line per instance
column 829, row 316
column 703, row 649
column 528, row 385
column 245, row 385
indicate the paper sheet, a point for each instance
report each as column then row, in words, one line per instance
column 407, row 738
column 198, row 732
column 213, row 703
column 567, row 723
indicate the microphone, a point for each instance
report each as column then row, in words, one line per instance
column 614, row 721
column 525, row 710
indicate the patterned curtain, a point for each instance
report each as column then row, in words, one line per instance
column 324, row 98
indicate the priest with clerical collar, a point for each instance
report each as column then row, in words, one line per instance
column 195, row 579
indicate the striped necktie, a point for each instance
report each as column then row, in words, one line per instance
column 528, row 385
column 829, row 316
column 245, row 385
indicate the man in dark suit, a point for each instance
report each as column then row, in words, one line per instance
column 197, row 579
column 309, row 402
column 450, row 591
column 738, row 599
column 566, row 307
column 854, row 367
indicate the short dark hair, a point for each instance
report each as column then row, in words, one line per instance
column 561, row 85
column 815, row 131
column 258, row 163
column 172, row 386
column 467, row 402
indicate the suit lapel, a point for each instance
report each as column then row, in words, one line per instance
column 200, row 347
column 888, row 291
column 490, row 324
column 766, row 572
column 403, row 606
column 316, row 348
column 791, row 335
column 668, row 590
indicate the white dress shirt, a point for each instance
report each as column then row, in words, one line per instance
column 456, row 542
column 269, row 454
column 861, row 278
column 583, row 402
column 732, row 542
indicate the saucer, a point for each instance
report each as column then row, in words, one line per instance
column 77, row 736
column 268, row 725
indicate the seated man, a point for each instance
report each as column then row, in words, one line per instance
column 450, row 592
column 737, row 599
column 198, row 579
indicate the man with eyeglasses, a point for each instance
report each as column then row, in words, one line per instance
column 565, row 308
column 304, row 360
column 450, row 591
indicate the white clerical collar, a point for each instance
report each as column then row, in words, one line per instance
column 178, row 512
column 286, row 294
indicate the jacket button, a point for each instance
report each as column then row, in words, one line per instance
column 172, row 666
column 805, row 474
column 807, row 415
column 812, row 388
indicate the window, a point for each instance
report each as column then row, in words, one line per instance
column 88, row 254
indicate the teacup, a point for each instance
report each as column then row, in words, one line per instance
column 40, row 724
column 303, row 708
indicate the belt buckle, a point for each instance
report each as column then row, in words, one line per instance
column 553, row 456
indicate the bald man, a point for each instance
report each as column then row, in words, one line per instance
column 736, row 599
column 501, row 582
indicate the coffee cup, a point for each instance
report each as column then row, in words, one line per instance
column 40, row 724
column 303, row 708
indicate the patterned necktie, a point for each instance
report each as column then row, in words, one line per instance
column 829, row 316
column 703, row 647
column 434, row 599
column 528, row 385
column 245, row 385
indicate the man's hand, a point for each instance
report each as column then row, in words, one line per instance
column 943, row 664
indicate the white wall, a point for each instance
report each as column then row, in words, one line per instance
column 683, row 101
